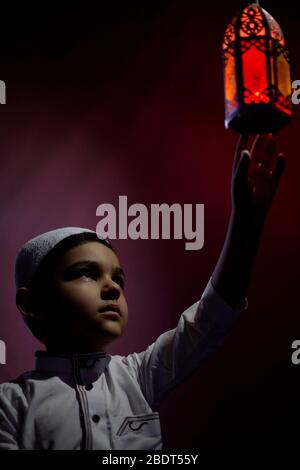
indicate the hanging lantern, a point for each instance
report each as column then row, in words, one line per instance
column 257, row 79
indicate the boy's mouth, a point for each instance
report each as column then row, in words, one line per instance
column 113, row 308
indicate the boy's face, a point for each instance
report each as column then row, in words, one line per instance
column 87, row 308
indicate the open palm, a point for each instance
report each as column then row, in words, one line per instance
column 255, row 177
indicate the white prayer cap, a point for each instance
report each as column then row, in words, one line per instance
column 34, row 251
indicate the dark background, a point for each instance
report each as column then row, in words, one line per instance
column 127, row 99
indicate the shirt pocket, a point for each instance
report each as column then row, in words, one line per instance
column 140, row 432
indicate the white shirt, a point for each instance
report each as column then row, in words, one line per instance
column 101, row 401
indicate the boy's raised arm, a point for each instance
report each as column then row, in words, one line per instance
column 255, row 178
column 204, row 325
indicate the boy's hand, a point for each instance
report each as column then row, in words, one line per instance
column 255, row 178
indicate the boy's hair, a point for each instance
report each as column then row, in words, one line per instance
column 41, row 280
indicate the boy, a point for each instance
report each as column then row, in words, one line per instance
column 70, row 291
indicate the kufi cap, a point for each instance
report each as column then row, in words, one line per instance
column 34, row 251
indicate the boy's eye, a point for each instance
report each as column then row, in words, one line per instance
column 120, row 280
column 89, row 273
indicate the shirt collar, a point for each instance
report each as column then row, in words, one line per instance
column 84, row 368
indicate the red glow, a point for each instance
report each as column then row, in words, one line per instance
column 254, row 73
column 283, row 108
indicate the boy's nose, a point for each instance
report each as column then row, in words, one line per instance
column 110, row 290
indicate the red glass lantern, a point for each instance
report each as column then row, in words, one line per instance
column 257, row 80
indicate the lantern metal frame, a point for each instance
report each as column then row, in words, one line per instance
column 272, row 110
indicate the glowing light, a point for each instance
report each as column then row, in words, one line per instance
column 257, row 81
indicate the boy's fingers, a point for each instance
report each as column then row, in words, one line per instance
column 271, row 145
column 258, row 146
column 241, row 145
column 242, row 169
column 268, row 159
column 280, row 166
column 264, row 150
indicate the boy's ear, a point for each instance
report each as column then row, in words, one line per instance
column 24, row 301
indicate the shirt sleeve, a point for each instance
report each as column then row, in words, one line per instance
column 177, row 353
column 9, row 417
